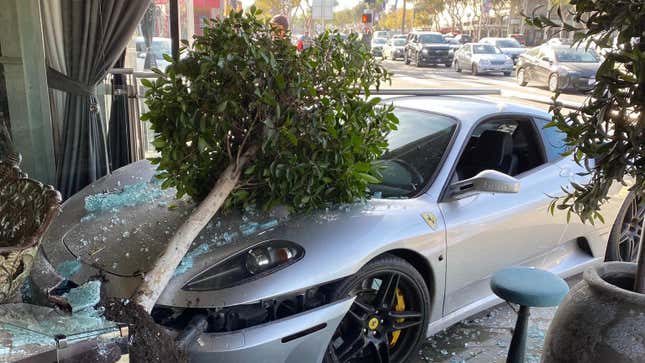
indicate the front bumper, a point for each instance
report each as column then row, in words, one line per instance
column 493, row 68
column 431, row 58
column 580, row 83
column 299, row 338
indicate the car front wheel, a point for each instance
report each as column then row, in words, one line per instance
column 388, row 319
column 521, row 77
column 554, row 83
column 625, row 236
column 457, row 67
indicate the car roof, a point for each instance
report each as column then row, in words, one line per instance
column 468, row 109
column 427, row 32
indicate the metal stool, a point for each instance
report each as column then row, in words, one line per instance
column 528, row 287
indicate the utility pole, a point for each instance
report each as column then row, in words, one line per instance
column 403, row 22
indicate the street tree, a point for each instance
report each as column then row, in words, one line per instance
column 607, row 134
column 244, row 119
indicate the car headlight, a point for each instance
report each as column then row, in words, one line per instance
column 451, row 51
column 424, row 51
column 260, row 260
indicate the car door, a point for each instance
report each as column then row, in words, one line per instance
column 543, row 64
column 464, row 62
column 485, row 231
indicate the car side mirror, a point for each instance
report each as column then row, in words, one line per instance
column 487, row 181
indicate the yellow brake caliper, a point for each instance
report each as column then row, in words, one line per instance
column 400, row 306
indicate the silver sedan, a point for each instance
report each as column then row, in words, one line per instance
column 464, row 193
column 482, row 58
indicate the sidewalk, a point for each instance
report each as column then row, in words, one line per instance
column 485, row 337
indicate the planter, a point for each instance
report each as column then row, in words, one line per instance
column 600, row 320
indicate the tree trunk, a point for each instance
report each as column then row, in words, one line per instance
column 156, row 280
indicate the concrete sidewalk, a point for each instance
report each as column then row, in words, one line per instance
column 485, row 337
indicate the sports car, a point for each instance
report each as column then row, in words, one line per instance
column 466, row 190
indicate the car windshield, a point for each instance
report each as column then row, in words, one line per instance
column 415, row 152
column 379, row 41
column 399, row 42
column 431, row 38
column 508, row 43
column 485, row 49
column 570, row 55
column 380, row 34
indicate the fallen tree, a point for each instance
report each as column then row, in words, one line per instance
column 245, row 119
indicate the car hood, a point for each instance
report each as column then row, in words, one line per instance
column 435, row 46
column 121, row 242
column 513, row 50
column 489, row 57
column 586, row 69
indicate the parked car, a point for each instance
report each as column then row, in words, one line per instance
column 382, row 34
column 509, row 46
column 559, row 41
column 304, row 42
column 559, row 67
column 377, row 46
column 466, row 187
column 482, row 58
column 427, row 48
column 463, row 38
column 519, row 37
column 394, row 48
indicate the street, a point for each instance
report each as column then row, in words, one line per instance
column 533, row 95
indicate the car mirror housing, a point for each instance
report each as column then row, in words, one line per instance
column 487, row 181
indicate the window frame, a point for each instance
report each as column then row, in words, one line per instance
column 443, row 194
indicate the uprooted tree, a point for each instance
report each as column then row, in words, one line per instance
column 244, row 119
column 607, row 134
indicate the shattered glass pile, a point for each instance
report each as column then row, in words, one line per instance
column 28, row 329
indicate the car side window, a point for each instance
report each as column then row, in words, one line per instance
column 533, row 52
column 554, row 140
column 510, row 146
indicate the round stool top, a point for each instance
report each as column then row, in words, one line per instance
column 529, row 286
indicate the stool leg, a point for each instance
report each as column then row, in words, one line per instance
column 518, row 343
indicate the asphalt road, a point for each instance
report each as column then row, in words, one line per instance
column 534, row 95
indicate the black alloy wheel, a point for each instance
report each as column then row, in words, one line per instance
column 389, row 317
column 625, row 237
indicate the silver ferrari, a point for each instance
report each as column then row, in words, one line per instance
column 465, row 192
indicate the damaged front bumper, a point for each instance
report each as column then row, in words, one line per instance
column 298, row 338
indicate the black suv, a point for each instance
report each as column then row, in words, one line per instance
column 427, row 48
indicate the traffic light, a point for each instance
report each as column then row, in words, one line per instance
column 367, row 19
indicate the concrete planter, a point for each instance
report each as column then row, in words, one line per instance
column 600, row 320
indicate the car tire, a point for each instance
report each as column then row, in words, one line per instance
column 507, row 74
column 521, row 77
column 624, row 238
column 411, row 297
column 448, row 64
column 553, row 83
column 457, row 67
column 474, row 70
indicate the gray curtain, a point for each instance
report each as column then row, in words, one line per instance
column 118, row 129
column 147, row 29
column 95, row 32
